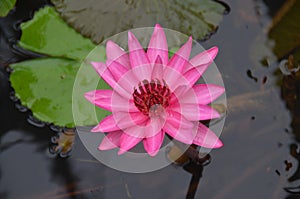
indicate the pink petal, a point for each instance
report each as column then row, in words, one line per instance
column 158, row 46
column 127, row 142
column 138, row 118
column 107, row 76
column 154, row 126
column 204, row 58
column 142, row 72
column 178, row 94
column 101, row 98
column 145, row 128
column 179, row 127
column 195, row 112
column 122, row 121
column 181, row 58
column 103, row 71
column 122, row 104
column 206, row 138
column 135, row 131
column 116, row 53
column 184, row 135
column 174, row 79
column 116, row 69
column 137, row 55
column 96, row 95
column 179, row 121
column 99, row 67
column 202, row 94
column 157, row 71
column 153, row 144
column 111, row 101
column 126, row 84
column 108, row 124
column 194, row 74
column 125, row 120
column 180, row 91
column 111, row 141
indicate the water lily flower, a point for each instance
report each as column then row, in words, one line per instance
column 152, row 95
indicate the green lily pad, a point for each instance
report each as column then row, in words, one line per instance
column 48, row 34
column 101, row 19
column 6, row 6
column 285, row 31
column 46, row 85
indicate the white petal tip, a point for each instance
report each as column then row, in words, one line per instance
column 121, row 152
column 110, row 43
column 152, row 154
column 89, row 95
column 130, row 36
column 219, row 91
column 213, row 52
column 93, row 63
column 218, row 144
column 96, row 129
column 158, row 26
column 107, row 146
column 102, row 148
column 215, row 114
column 96, row 64
column 210, row 145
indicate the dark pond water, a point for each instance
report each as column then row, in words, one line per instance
column 259, row 158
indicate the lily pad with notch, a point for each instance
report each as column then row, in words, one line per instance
column 101, row 19
column 45, row 85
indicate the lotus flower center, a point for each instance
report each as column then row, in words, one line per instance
column 151, row 98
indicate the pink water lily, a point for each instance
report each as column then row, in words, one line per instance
column 152, row 95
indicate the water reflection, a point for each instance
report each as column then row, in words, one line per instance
column 291, row 95
column 288, row 77
column 63, row 174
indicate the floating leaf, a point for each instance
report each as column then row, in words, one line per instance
column 45, row 85
column 6, row 6
column 101, row 19
column 48, row 34
column 285, row 31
